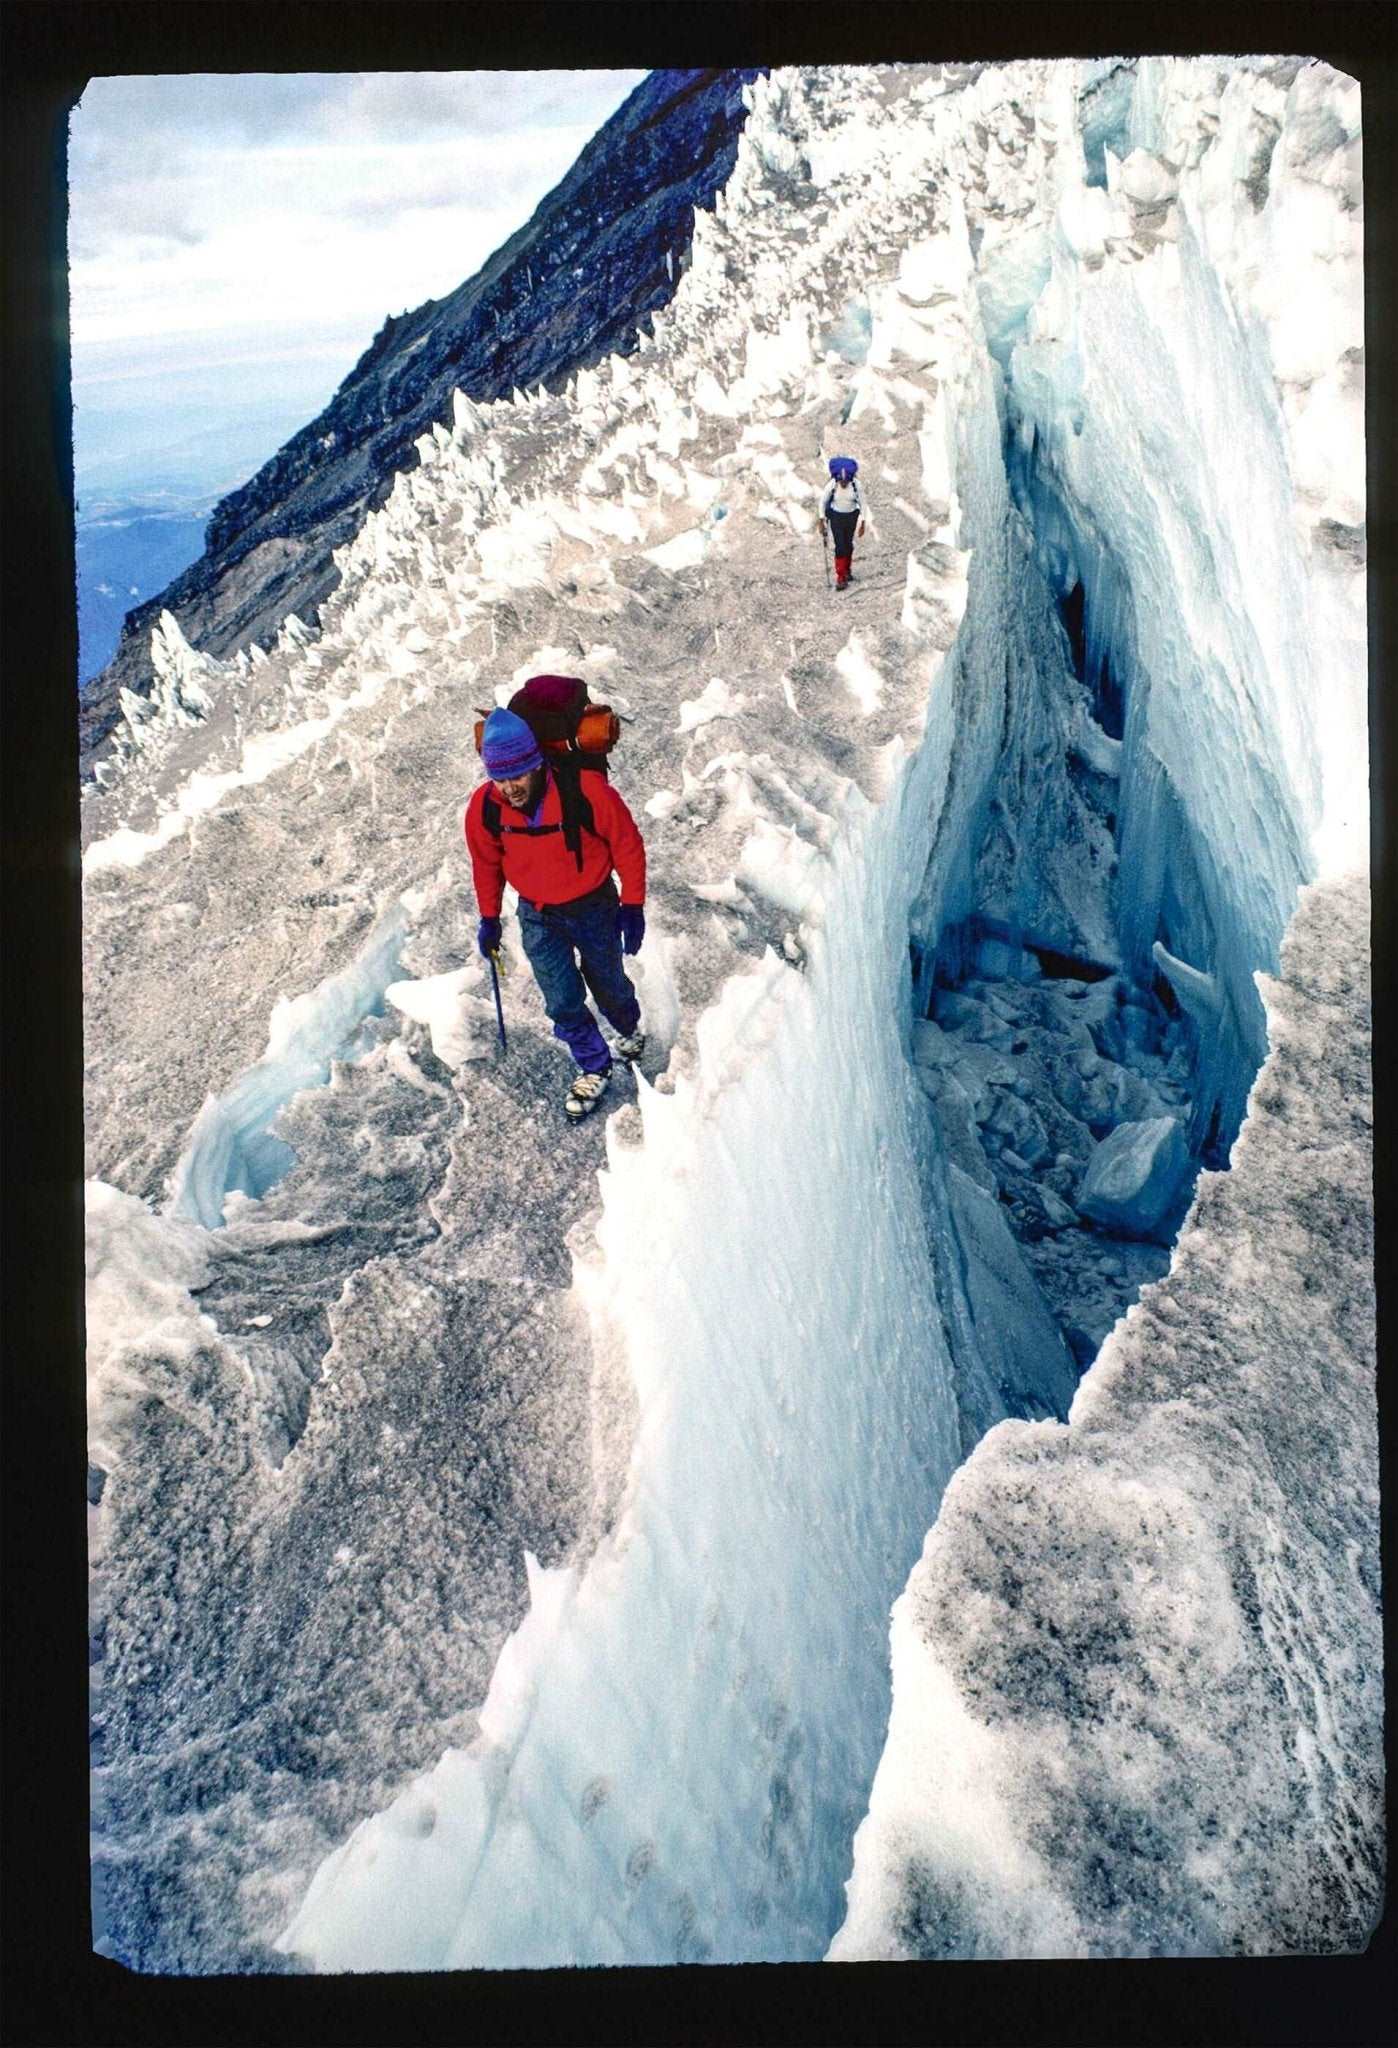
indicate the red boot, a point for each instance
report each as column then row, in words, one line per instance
column 842, row 563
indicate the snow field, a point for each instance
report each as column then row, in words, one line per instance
column 140, row 1269
column 832, row 1354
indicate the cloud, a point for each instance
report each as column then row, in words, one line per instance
column 478, row 175
column 489, row 103
column 158, row 204
column 134, row 127
column 141, row 122
column 154, row 221
column 197, row 202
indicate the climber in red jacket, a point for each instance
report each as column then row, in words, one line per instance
column 519, row 830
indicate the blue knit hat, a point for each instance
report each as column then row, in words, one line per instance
column 508, row 747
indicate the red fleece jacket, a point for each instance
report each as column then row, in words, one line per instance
column 543, row 870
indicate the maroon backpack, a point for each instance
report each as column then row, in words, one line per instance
column 573, row 734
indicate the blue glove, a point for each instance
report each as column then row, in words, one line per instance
column 488, row 936
column 631, row 923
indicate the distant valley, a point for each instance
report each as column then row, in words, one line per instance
column 150, row 473
column 126, row 552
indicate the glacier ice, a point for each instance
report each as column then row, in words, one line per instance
column 1210, row 597
column 141, row 1270
column 232, row 1146
column 572, row 1503
column 1135, row 1175
column 1127, row 1739
column 1137, row 1691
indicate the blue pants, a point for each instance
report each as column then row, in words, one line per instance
column 556, row 940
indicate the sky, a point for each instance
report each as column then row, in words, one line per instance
column 236, row 240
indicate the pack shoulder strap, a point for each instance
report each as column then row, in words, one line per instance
column 574, row 804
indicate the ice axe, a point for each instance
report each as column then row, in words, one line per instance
column 825, row 552
column 495, row 972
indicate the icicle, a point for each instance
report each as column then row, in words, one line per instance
column 1198, row 993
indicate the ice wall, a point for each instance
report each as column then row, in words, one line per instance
column 1208, row 303
column 1137, row 1705
column 1138, row 1696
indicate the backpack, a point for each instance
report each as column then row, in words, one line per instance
column 573, row 734
column 843, row 469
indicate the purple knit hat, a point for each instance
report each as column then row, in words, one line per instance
column 508, row 747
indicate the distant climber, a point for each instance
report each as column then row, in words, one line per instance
column 842, row 507
column 555, row 832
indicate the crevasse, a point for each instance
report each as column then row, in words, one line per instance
column 232, row 1147
column 1136, row 1711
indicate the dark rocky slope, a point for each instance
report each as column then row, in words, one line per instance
column 571, row 287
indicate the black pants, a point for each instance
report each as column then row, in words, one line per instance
column 842, row 525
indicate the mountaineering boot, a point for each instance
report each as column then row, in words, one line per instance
column 631, row 1048
column 585, row 1093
